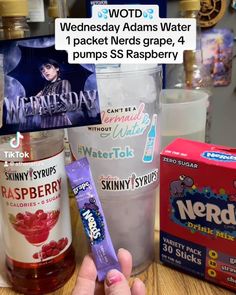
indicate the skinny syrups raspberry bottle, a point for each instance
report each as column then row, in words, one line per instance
column 35, row 208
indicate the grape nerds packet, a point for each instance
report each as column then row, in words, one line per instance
column 92, row 216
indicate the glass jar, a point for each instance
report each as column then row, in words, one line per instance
column 14, row 23
column 35, row 212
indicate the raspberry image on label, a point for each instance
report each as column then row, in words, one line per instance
column 51, row 249
column 35, row 226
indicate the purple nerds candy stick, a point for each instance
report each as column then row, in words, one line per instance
column 92, row 216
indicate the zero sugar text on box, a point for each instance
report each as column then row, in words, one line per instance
column 198, row 210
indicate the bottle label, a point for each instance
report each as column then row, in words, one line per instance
column 35, row 210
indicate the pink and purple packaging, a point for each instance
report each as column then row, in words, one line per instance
column 198, row 210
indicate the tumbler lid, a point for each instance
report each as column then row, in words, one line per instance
column 14, row 8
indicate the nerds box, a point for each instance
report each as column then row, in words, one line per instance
column 42, row 90
column 198, row 210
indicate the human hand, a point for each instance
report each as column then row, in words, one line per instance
column 116, row 283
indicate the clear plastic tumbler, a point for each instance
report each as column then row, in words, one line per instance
column 124, row 155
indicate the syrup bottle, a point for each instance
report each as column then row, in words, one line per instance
column 33, row 194
column 34, row 205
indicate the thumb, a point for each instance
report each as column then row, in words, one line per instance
column 116, row 284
